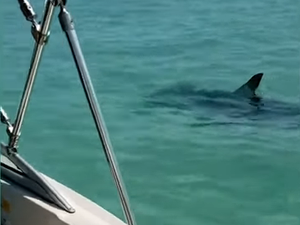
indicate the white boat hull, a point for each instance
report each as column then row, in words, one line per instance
column 22, row 207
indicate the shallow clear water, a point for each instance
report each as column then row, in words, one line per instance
column 181, row 166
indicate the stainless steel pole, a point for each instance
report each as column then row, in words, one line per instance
column 68, row 27
column 41, row 39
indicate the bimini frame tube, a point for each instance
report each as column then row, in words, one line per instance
column 68, row 27
column 40, row 33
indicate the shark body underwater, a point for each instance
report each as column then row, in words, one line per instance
column 243, row 104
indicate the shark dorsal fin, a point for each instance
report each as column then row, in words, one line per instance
column 248, row 89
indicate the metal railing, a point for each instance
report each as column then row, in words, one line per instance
column 41, row 32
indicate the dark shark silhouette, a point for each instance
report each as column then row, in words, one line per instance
column 241, row 105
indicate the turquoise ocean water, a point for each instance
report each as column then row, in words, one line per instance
column 178, row 167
